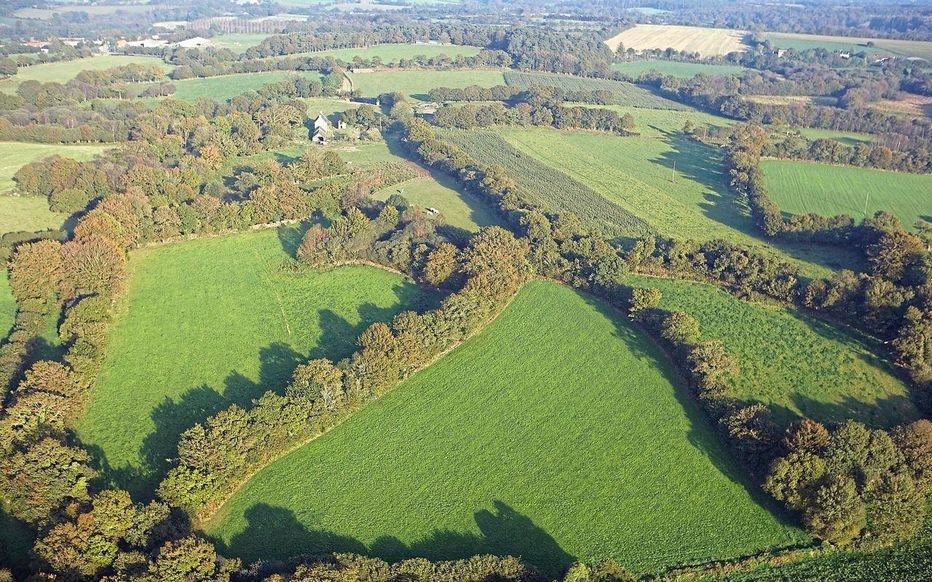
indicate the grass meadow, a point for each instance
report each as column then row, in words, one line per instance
column 64, row 71
column 557, row 434
column 800, row 187
column 797, row 364
column 675, row 68
column 910, row 48
column 848, row 138
column 625, row 93
column 636, row 174
column 238, row 42
column 212, row 322
column 227, row 86
column 27, row 213
column 416, row 83
column 437, row 191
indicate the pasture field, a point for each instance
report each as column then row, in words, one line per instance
column 675, row 68
column 238, row 42
column 542, row 184
column 228, row 86
column 27, row 213
column 909, row 48
column 392, row 53
column 848, row 138
column 212, row 322
column 636, row 174
column 7, row 304
column 793, row 362
column 574, row 443
column 416, row 83
column 440, row 192
column 625, row 93
column 708, row 42
column 64, row 71
column 800, row 187
column 15, row 155
column 657, row 123
column 327, row 105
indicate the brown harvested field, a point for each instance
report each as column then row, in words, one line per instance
column 790, row 99
column 705, row 41
column 907, row 104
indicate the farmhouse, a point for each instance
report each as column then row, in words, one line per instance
column 321, row 129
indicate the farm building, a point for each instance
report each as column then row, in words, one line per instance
column 321, row 129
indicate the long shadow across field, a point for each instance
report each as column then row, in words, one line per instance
column 702, row 163
column 274, row 533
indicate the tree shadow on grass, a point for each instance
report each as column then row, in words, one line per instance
column 702, row 163
column 276, row 534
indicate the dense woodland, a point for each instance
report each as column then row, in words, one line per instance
column 169, row 179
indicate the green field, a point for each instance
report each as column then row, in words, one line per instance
column 658, row 123
column 541, row 184
column 800, row 187
column 62, row 72
column 625, row 93
column 910, row 48
column 416, row 83
column 27, row 213
column 7, row 304
column 636, row 174
column 15, row 155
column 796, row 364
column 392, row 53
column 327, row 105
column 675, row 68
column 237, row 42
column 440, row 192
column 573, row 443
column 848, row 138
column 226, row 86
column 212, row 322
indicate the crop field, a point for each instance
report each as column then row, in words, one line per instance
column 185, row 347
column 801, row 187
column 791, row 100
column 542, row 184
column 905, row 104
column 64, row 71
column 416, row 83
column 436, row 191
column 676, row 69
column 798, row 365
column 227, row 86
column 573, row 444
column 910, row 48
column 708, row 42
column 625, row 93
column 392, row 53
column 636, row 174
column 15, row 155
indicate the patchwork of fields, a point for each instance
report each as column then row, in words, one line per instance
column 572, row 443
column 636, row 175
column 186, row 347
column 914, row 48
column 792, row 362
column 800, row 187
column 708, row 42
column 392, row 53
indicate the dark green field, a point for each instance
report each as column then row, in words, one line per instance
column 558, row 433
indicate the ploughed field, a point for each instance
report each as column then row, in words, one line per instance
column 801, row 187
column 796, row 364
column 212, row 322
column 558, row 433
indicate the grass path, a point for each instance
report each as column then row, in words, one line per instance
column 556, row 434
